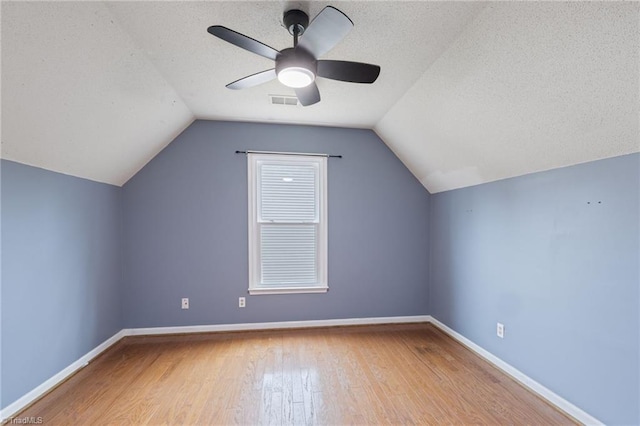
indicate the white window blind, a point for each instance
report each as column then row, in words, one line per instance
column 287, row 224
column 288, row 255
column 288, row 192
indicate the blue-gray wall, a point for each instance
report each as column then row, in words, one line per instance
column 186, row 230
column 61, row 273
column 555, row 257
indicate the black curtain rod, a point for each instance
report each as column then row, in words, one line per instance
column 288, row 153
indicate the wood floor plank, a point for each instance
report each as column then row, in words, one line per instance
column 383, row 374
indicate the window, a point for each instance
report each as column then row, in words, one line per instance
column 287, row 224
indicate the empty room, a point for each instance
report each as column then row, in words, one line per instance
column 283, row 212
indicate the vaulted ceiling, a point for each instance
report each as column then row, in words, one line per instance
column 470, row 92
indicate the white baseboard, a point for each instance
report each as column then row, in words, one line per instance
column 274, row 325
column 46, row 386
column 52, row 382
column 518, row 375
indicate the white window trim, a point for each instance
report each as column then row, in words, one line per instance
column 254, row 232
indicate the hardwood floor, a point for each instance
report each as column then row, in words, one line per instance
column 387, row 374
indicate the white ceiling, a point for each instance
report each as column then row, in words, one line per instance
column 469, row 92
column 526, row 87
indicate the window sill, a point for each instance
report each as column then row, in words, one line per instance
column 287, row 290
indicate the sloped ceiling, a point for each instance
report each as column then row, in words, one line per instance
column 469, row 92
column 526, row 87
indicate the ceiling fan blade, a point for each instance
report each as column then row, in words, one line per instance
column 242, row 41
column 308, row 95
column 253, row 79
column 353, row 72
column 325, row 31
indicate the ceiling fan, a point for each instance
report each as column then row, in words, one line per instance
column 299, row 66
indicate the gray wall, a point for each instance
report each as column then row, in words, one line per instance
column 61, row 273
column 555, row 257
column 186, row 230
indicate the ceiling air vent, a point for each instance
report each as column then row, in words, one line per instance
column 283, row 100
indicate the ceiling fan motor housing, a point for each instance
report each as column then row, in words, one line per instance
column 298, row 58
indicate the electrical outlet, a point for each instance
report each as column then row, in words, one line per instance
column 185, row 303
column 500, row 330
column 242, row 302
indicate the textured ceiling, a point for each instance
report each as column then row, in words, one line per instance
column 526, row 87
column 468, row 93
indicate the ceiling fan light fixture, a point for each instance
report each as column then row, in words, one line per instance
column 296, row 77
column 298, row 66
